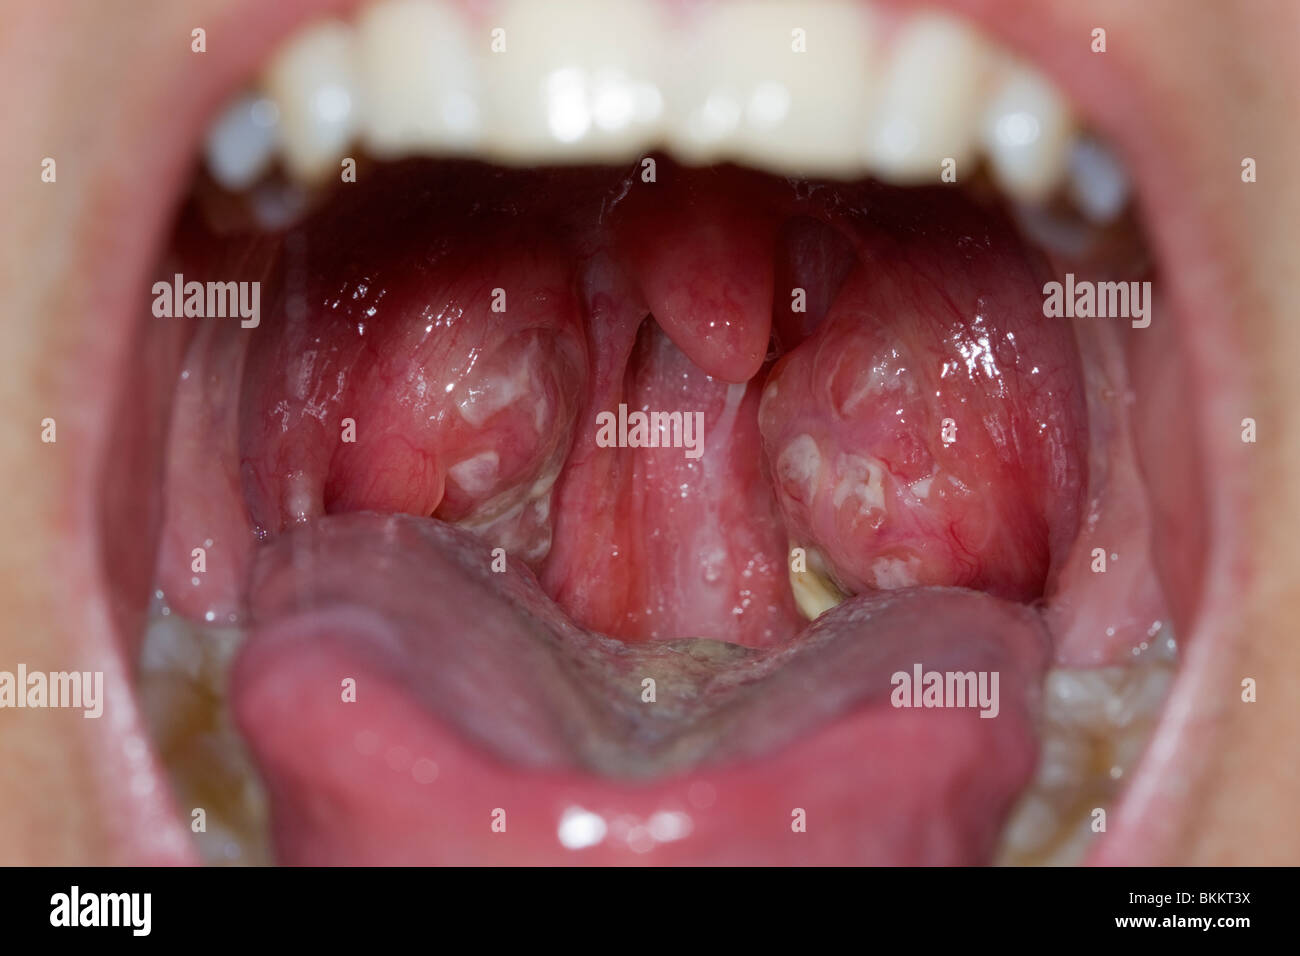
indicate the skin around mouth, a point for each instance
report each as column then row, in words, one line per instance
column 1191, row 225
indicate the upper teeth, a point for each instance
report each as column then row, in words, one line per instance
column 826, row 87
column 1027, row 133
column 742, row 92
column 313, row 81
column 930, row 98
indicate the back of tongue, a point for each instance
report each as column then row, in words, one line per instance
column 407, row 704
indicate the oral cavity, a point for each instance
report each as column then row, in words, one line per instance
column 344, row 405
column 930, row 430
column 880, row 412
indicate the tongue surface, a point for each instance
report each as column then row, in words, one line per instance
column 406, row 704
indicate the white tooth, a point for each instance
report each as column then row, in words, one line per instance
column 241, row 143
column 929, row 101
column 313, row 83
column 1077, row 697
column 1098, row 182
column 1139, row 696
column 420, row 78
column 576, row 81
column 1090, row 716
column 171, row 645
column 1063, row 760
column 814, row 592
column 1079, row 838
column 745, row 93
column 1027, row 130
column 1032, row 826
column 1128, row 746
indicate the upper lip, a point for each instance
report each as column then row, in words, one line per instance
column 1116, row 93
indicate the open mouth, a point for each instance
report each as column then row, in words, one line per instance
column 611, row 433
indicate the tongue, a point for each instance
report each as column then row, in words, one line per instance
column 408, row 705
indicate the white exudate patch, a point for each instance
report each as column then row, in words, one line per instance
column 861, row 478
column 515, row 519
column 799, row 467
column 921, row 487
column 478, row 473
column 886, row 380
column 481, row 401
column 890, row 573
column 793, row 88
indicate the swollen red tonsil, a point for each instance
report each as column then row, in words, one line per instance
column 918, row 443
